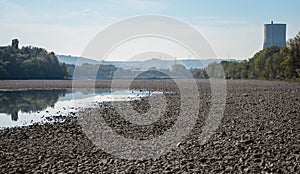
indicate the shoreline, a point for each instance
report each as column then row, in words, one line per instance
column 137, row 84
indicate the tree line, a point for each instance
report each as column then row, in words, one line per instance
column 36, row 63
column 30, row 63
column 270, row 63
column 99, row 71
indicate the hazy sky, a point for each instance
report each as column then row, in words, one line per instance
column 234, row 28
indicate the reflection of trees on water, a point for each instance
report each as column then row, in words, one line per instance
column 11, row 102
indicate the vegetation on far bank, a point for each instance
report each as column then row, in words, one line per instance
column 270, row 63
column 30, row 63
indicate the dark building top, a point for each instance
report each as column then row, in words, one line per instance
column 15, row 43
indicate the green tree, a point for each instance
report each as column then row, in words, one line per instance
column 291, row 62
column 181, row 71
column 215, row 70
column 30, row 63
column 199, row 73
column 258, row 62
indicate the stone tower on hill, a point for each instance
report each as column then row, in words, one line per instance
column 15, row 43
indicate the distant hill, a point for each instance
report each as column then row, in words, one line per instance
column 67, row 59
column 141, row 65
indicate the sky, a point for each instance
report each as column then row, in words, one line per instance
column 233, row 28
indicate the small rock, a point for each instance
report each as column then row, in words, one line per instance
column 245, row 95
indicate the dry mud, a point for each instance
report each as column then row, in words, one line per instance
column 259, row 133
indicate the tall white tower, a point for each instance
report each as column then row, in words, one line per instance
column 274, row 35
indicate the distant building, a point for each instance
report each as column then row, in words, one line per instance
column 15, row 43
column 274, row 35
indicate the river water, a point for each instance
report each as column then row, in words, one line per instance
column 26, row 107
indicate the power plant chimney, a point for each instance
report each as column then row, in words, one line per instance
column 274, row 35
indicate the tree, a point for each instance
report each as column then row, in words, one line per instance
column 269, row 63
column 3, row 72
column 181, row 71
column 291, row 63
column 258, row 62
column 30, row 63
column 199, row 73
column 215, row 70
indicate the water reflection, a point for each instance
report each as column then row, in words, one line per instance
column 26, row 107
column 28, row 101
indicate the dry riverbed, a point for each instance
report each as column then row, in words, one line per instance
column 260, row 132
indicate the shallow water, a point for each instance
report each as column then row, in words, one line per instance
column 26, row 107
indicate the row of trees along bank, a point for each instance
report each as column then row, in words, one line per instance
column 270, row 63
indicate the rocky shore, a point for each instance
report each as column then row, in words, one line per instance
column 259, row 133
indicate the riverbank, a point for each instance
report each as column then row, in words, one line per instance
column 259, row 133
column 42, row 84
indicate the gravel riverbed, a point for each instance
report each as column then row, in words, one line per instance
column 259, row 133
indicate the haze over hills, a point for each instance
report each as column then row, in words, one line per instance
column 144, row 64
column 68, row 59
